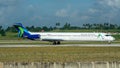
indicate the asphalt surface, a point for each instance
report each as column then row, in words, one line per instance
column 81, row 45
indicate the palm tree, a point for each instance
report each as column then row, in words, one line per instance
column 57, row 25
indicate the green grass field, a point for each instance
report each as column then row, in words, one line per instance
column 59, row 54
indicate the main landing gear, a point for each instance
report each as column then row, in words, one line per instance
column 56, row 42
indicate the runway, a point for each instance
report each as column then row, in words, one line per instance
column 80, row 45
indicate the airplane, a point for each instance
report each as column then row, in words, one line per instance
column 57, row 37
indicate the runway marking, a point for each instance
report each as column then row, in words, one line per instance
column 81, row 45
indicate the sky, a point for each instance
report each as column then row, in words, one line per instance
column 49, row 12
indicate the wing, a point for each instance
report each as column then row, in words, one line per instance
column 51, row 40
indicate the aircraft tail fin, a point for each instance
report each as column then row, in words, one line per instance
column 23, row 32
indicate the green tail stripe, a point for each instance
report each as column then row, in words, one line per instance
column 99, row 35
column 21, row 31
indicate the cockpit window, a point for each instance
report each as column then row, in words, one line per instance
column 107, row 35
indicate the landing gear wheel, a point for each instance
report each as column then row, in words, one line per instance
column 58, row 42
column 54, row 43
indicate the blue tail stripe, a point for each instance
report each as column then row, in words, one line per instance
column 26, row 33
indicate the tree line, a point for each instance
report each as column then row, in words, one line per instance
column 2, row 31
column 66, row 26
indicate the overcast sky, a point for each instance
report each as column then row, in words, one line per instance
column 48, row 12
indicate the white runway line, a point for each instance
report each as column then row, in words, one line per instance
column 81, row 45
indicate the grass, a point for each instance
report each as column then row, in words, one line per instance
column 117, row 37
column 59, row 54
column 22, row 41
column 9, row 36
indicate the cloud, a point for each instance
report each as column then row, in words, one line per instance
column 84, row 17
column 104, row 11
column 12, row 11
column 67, row 12
column 92, row 10
column 76, row 12
column 112, row 7
column 7, row 3
column 62, row 13
column 111, row 3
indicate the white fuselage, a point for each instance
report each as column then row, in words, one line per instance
column 67, row 36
